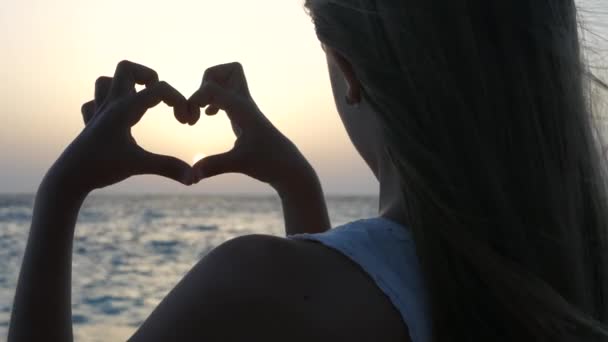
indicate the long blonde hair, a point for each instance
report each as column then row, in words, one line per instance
column 486, row 110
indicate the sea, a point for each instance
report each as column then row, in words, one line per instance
column 130, row 250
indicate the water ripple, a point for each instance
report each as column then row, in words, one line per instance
column 129, row 251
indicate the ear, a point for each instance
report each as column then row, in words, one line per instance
column 353, row 93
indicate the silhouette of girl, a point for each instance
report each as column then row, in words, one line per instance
column 474, row 116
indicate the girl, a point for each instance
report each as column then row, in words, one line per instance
column 475, row 118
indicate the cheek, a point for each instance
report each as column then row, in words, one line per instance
column 338, row 85
column 364, row 132
column 360, row 122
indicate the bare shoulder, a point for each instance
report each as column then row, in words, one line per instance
column 270, row 288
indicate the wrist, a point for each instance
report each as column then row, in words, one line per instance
column 63, row 186
column 304, row 206
column 304, row 184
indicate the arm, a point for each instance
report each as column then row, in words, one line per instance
column 261, row 151
column 103, row 154
column 42, row 307
column 304, row 207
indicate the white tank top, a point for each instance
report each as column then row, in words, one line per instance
column 385, row 251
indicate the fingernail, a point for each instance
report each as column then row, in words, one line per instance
column 194, row 109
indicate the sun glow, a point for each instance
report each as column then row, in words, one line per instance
column 198, row 157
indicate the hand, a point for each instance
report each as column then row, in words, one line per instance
column 261, row 151
column 105, row 152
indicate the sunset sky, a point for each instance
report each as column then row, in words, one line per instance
column 52, row 52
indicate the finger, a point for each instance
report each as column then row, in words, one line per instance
column 211, row 94
column 195, row 114
column 102, row 88
column 88, row 111
column 216, row 165
column 127, row 75
column 224, row 72
column 212, row 110
column 229, row 76
column 238, row 131
column 218, row 73
column 181, row 114
column 166, row 166
column 152, row 96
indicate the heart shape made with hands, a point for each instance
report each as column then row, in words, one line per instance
column 224, row 87
column 161, row 132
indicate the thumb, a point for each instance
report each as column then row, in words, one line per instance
column 166, row 166
column 216, row 165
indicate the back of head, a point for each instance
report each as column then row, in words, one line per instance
column 487, row 117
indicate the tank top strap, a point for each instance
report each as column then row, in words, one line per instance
column 385, row 250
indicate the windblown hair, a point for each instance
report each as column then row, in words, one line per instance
column 488, row 118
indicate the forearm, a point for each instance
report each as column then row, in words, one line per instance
column 42, row 306
column 304, row 207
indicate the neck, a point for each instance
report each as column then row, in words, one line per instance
column 391, row 204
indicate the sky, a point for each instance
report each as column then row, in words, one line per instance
column 53, row 51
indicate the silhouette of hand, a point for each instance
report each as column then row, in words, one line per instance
column 105, row 152
column 261, row 151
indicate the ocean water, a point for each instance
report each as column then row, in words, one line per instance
column 129, row 251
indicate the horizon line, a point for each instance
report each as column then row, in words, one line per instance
column 215, row 194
